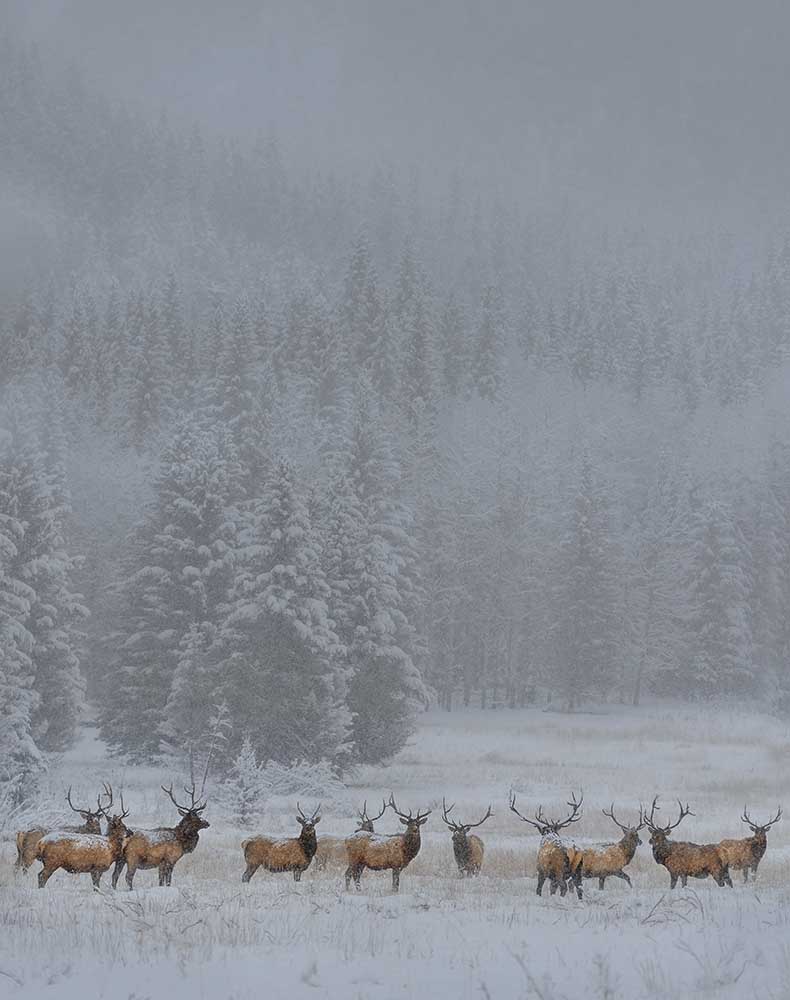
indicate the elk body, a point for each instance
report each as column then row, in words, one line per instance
column 332, row 850
column 608, row 860
column 468, row 848
column 683, row 859
column 385, row 853
column 83, row 853
column 293, row 854
column 747, row 853
column 554, row 859
column 164, row 846
column 27, row 840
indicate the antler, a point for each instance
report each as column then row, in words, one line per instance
column 684, row 811
column 469, row 826
column 649, row 819
column 420, row 815
column 363, row 815
column 104, row 809
column 82, row 812
column 301, row 816
column 539, row 820
column 575, row 815
column 615, row 820
column 445, row 814
column 124, row 810
column 183, row 810
column 758, row 826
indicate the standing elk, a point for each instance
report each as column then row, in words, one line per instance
column 332, row 850
column 608, row 860
column 293, row 854
column 163, row 846
column 683, row 859
column 748, row 852
column 27, row 840
column 468, row 850
column 383, row 853
column 83, row 853
column 554, row 859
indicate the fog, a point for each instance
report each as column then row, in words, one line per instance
column 655, row 110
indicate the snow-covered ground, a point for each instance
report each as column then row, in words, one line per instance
column 209, row 936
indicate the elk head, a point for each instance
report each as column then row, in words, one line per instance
column 412, row 823
column 460, row 830
column 659, row 834
column 631, row 832
column 365, row 822
column 757, row 829
column 116, row 828
column 543, row 824
column 91, row 816
column 191, row 820
column 308, row 823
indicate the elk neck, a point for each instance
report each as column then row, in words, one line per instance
column 629, row 843
column 308, row 840
column 662, row 847
column 411, row 841
column 187, row 833
column 460, row 846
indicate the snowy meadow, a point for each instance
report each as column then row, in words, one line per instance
column 210, row 936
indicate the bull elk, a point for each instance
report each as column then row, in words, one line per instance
column 163, row 846
column 554, row 859
column 332, row 850
column 83, row 853
column 747, row 853
column 608, row 860
column 681, row 858
column 293, row 854
column 468, row 849
column 384, row 853
column 27, row 840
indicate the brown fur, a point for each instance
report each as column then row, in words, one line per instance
column 468, row 849
column 162, row 847
column 293, row 854
column 746, row 854
column 81, row 853
column 608, row 860
column 555, row 861
column 332, row 850
column 27, row 840
column 384, row 853
column 684, row 860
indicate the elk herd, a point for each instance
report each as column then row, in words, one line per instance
column 84, row 849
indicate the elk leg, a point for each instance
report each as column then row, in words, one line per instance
column 116, row 872
column 251, row 869
column 541, row 880
column 625, row 877
column 44, row 876
column 170, row 874
column 130, row 876
column 601, row 882
column 349, row 873
column 673, row 881
column 165, row 874
column 96, row 877
column 395, row 879
column 725, row 878
column 746, row 874
column 684, row 880
column 297, row 875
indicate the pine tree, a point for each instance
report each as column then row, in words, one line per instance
column 242, row 786
column 488, row 359
column 586, row 633
column 278, row 657
column 179, row 577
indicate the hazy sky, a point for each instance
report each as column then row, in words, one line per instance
column 670, row 104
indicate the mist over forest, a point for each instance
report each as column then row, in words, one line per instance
column 357, row 358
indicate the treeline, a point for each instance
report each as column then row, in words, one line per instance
column 389, row 450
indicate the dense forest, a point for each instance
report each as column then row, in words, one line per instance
column 296, row 454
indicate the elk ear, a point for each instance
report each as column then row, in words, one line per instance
column 421, row 821
column 404, row 821
column 316, row 821
column 299, row 819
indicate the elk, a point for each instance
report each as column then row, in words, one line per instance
column 681, row 858
column 332, row 850
column 384, row 853
column 608, row 860
column 80, row 853
column 27, row 840
column 293, row 854
column 163, row 846
column 554, row 860
column 747, row 853
column 468, row 850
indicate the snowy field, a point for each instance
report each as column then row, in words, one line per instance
column 211, row 937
